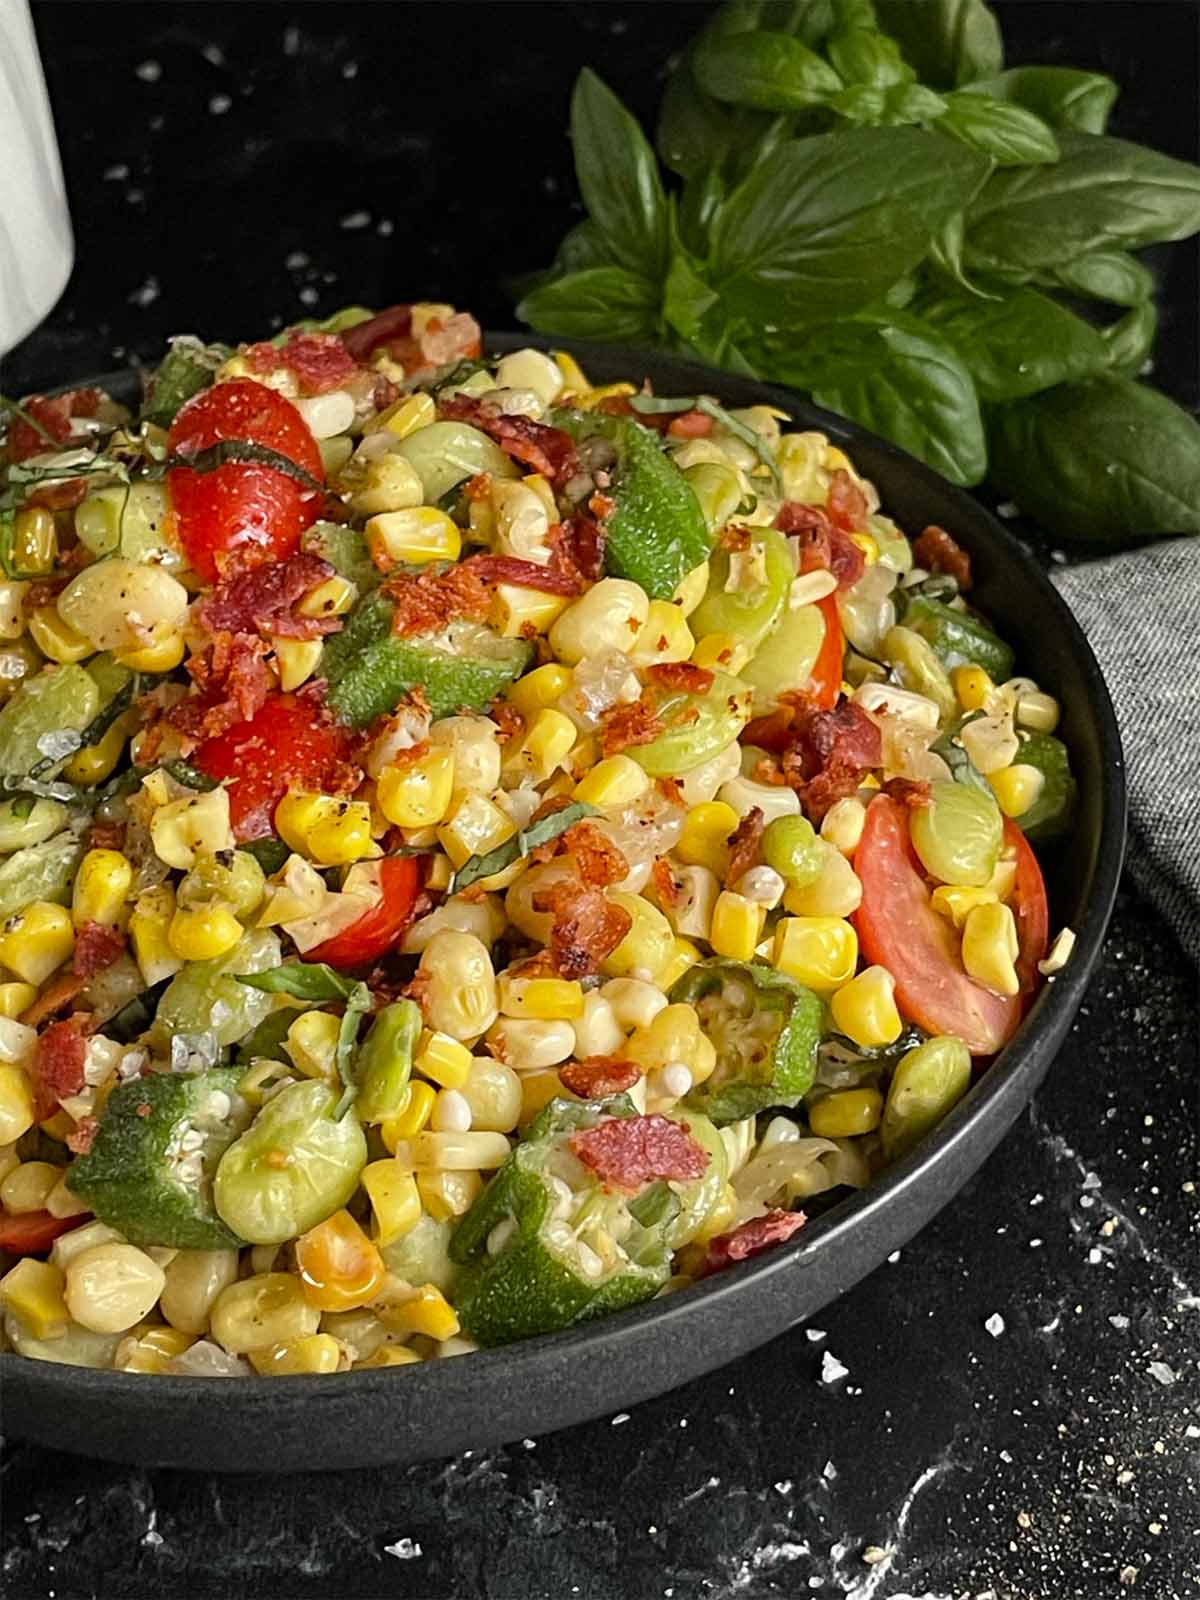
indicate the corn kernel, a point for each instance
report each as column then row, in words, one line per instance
column 574, row 379
column 151, row 1350
column 395, row 1200
column 149, row 926
column 673, row 1034
column 27, row 1186
column 843, row 824
column 542, row 999
column 407, row 415
column 868, row 545
column 427, row 1311
column 388, row 1355
column 721, row 1218
column 835, row 893
column 312, row 1043
column 1003, row 880
column 16, row 1103
column 312, row 1353
column 446, row 1195
column 408, row 1122
column 333, row 598
column 956, row 901
column 846, row 1114
column 1017, row 788
column 541, row 687
column 102, row 886
column 12, row 608
column 1037, row 711
column 704, row 841
column 615, row 781
column 537, row 1091
column 328, row 829
column 835, row 459
column 686, row 955
column 16, row 998
column 721, row 652
column 203, row 934
column 517, row 612
column 162, row 654
column 665, row 635
column 972, row 686
column 417, row 793
column 295, row 660
column 606, row 391
column 736, row 925
column 990, row 948
column 36, row 941
column 546, row 745
column 473, row 826
column 412, row 536
column 382, row 484
column 33, row 1292
column 93, row 763
column 443, row 1059
column 819, row 952
column 865, row 1009
column 56, row 638
column 648, row 947
column 34, row 541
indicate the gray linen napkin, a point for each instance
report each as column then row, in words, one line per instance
column 1141, row 613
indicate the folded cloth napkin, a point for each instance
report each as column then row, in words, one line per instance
column 1141, row 613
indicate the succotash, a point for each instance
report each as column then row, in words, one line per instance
column 479, row 849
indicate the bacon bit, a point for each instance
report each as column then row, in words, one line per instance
column 671, row 789
column 64, row 496
column 146, row 1109
column 96, row 947
column 551, row 579
column 770, row 732
column 766, row 770
column 630, row 1151
column 912, row 792
column 430, row 601
column 935, row 549
column 540, row 965
column 681, row 675
column 417, row 987
column 626, row 725
column 479, row 487
column 600, row 862
column 508, row 720
column 690, row 425
column 233, row 681
column 84, row 1137
column 745, row 844
column 601, row 505
column 847, row 503
column 320, row 360
column 828, row 753
column 578, row 543
column 734, row 538
column 263, row 598
column 586, row 927
column 543, row 449
column 822, row 543
column 617, row 405
column 599, row 1076
column 58, row 1063
column 343, row 778
column 666, row 884
column 748, row 1239
column 54, row 414
column 365, row 337
column 106, row 836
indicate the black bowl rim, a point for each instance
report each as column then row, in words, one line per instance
column 981, row 1118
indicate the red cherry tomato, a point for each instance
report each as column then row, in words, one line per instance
column 241, row 505
column 826, row 676
column 31, row 1233
column 287, row 744
column 898, row 929
column 377, row 930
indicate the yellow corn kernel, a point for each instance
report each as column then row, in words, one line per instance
column 1037, row 711
column 407, row 415
column 606, row 391
column 12, row 608
column 574, row 379
column 16, row 1103
column 846, row 1114
column 388, row 1355
column 28, row 1184
column 843, row 823
column 685, row 955
column 295, row 660
column 1003, row 880
column 151, row 1350
column 395, row 1199
column 102, row 886
column 955, row 901
column 16, row 998
column 312, row 1043
column 541, row 999
column 519, row 613
column 720, row 1219
column 448, row 1194
column 615, row 781
column 704, row 841
column 665, row 635
column 333, row 598
column 546, row 745
column 36, row 941
column 972, row 686
column 408, row 1122
column 413, row 536
column 427, row 1311
column 328, row 829
column 382, row 484
column 61, row 1126
column 34, row 541
column 865, row 1008
column 180, row 828
column 736, row 925
column 314, row 1352
column 439, row 874
column 1017, row 787
column 149, row 927
column 33, row 1292
column 990, row 947
column 869, row 546
column 443, row 1059
column 541, row 687
column 833, row 458
column 721, row 652
column 162, row 654
column 95, row 762
column 204, row 933
column 537, row 1090
column 691, row 589
column 649, row 946
column 473, row 826
column 56, row 638
column 819, row 952
column 416, row 793
column 672, row 1034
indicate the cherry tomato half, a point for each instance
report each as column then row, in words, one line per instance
column 288, row 744
column 898, row 929
column 826, row 676
column 242, row 504
column 31, row 1233
column 377, row 930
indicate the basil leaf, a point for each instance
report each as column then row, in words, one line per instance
column 767, row 71
column 1019, row 344
column 240, row 450
column 191, row 777
column 1107, row 460
column 1103, row 192
column 1010, row 135
column 896, row 377
column 948, row 42
column 618, row 177
column 269, row 853
column 516, row 848
column 1106, row 275
column 185, row 370
column 699, row 204
column 583, row 246
column 946, row 257
column 861, row 55
column 1061, row 96
column 358, row 1003
column 303, row 980
column 1130, row 339
column 831, row 221
column 902, row 104
column 601, row 303
column 687, row 299
column 694, row 130
column 806, row 20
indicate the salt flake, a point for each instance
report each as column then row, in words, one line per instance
column 403, row 1549
column 1161, row 1373
column 832, row 1370
column 995, row 1324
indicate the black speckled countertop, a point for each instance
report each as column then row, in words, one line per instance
column 1019, row 1417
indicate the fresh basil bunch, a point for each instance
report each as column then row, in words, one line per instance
column 866, row 206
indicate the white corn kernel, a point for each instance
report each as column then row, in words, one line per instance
column 451, row 1112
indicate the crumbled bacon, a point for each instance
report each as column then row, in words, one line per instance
column 84, row 1136
column 847, row 503
column 683, row 675
column 828, row 753
column 233, row 683
column 666, row 884
column 578, row 542
column 57, row 995
column 58, row 1063
column 541, row 448
column 263, row 599
column 585, row 926
column 690, row 425
column 550, row 579
column 745, row 844
column 54, row 413
column 935, row 549
column 751, row 1237
column 911, row 792
column 63, row 496
column 600, row 862
column 96, row 947
column 671, row 790
column 627, row 724
column 822, row 542
column 320, row 360
column 599, row 1076
column 366, row 337
column 630, row 1151
column 508, row 720
column 106, row 836
column 734, row 537
column 430, row 601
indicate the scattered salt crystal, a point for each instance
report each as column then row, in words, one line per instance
column 829, row 1472
column 291, row 41
column 219, row 105
column 295, row 261
column 1190, row 1432
column 354, row 219
column 832, row 1370
column 146, row 293
column 893, row 1258
column 1161, row 1373
column 784, row 1486
column 386, row 228
column 621, row 1416
column 1095, row 1257
column 213, row 54
column 995, row 1324
column 403, row 1549
column 115, row 173
column 814, row 1335
column 309, row 296
column 1008, row 508
column 350, row 69
column 873, row 1555
column 1119, row 1323
column 148, row 71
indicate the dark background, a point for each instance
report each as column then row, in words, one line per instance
column 286, row 159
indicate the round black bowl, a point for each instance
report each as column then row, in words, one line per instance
column 441, row 1407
